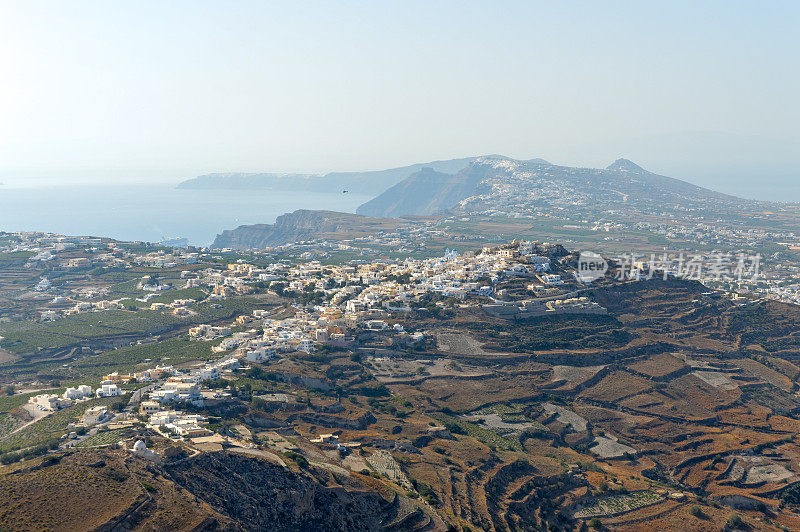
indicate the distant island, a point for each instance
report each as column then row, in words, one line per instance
column 370, row 182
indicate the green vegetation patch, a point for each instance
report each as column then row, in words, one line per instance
column 10, row 402
column 509, row 413
column 488, row 437
column 16, row 256
column 196, row 293
column 172, row 351
column 30, row 336
column 50, row 427
column 101, row 439
column 615, row 504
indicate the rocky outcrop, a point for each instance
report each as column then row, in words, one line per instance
column 259, row 495
column 329, row 421
column 301, row 225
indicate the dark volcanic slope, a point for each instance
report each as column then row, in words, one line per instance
column 422, row 193
column 112, row 490
column 300, row 225
column 258, row 495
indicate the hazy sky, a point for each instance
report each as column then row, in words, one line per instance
column 706, row 91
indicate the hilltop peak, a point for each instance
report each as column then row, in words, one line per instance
column 625, row 165
column 498, row 157
column 539, row 160
column 427, row 171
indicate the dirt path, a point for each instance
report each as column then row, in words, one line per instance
column 37, row 415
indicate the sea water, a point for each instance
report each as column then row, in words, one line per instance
column 151, row 213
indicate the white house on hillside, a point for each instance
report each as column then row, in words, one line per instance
column 109, row 390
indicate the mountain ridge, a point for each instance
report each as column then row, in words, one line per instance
column 498, row 184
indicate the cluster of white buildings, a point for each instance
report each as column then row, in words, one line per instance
column 235, row 280
column 94, row 306
column 285, row 335
column 358, row 295
column 50, row 402
column 394, row 285
column 187, row 386
column 574, row 304
column 151, row 374
column 178, row 423
column 209, row 332
column 165, row 259
column 179, row 388
column 67, row 306
column 178, row 307
column 84, row 391
column 49, row 247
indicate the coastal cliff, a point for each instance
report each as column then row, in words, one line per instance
column 300, row 225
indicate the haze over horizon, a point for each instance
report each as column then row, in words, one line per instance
column 160, row 93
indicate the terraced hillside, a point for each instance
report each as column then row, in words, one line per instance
column 213, row 491
column 674, row 408
column 669, row 391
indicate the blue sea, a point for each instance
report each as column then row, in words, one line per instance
column 151, row 213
